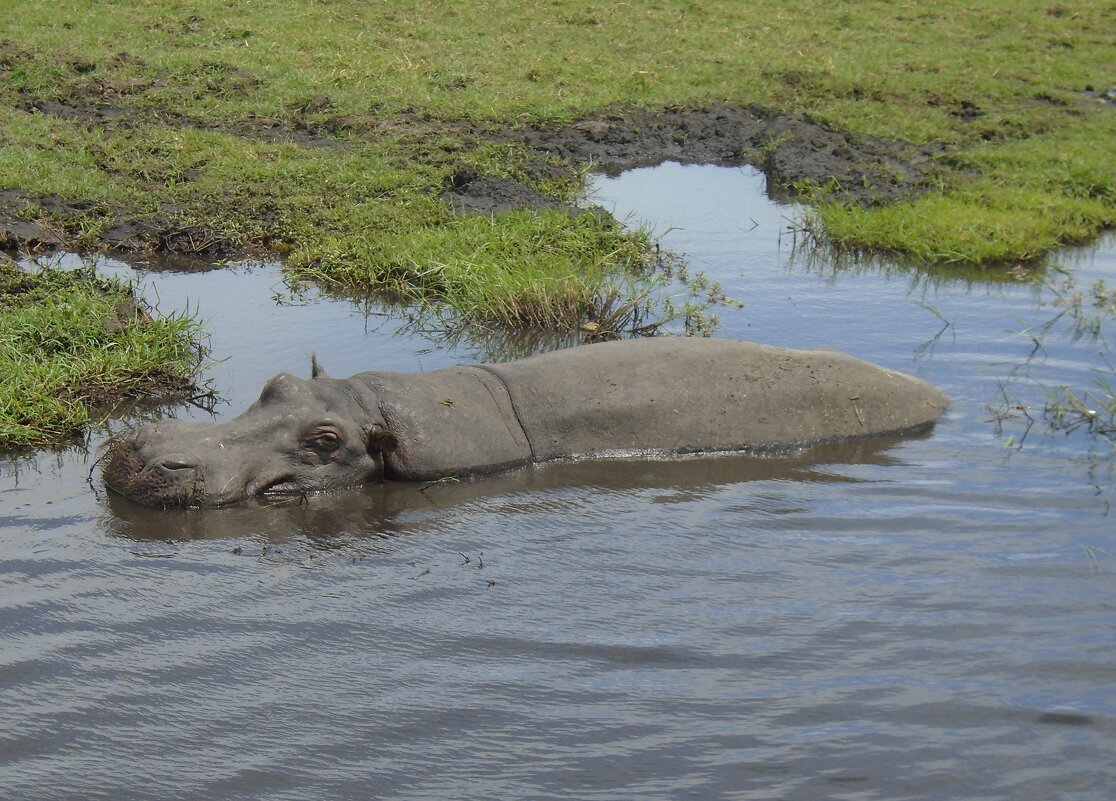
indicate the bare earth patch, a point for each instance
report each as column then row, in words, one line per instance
column 793, row 151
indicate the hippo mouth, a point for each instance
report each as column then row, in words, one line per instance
column 283, row 486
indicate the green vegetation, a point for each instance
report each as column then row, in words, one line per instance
column 326, row 132
column 539, row 269
column 181, row 103
column 1090, row 313
column 71, row 341
column 1084, row 315
column 1004, row 204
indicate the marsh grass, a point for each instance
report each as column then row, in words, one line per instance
column 997, row 220
column 548, row 270
column 1084, row 316
column 1089, row 312
column 1093, row 410
column 72, row 342
column 1009, row 94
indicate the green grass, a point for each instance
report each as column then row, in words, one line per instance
column 978, row 224
column 72, row 342
column 1012, row 202
column 1000, row 88
column 524, row 269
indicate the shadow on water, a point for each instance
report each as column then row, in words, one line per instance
column 163, row 262
column 391, row 509
column 826, row 261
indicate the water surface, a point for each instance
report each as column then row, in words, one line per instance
column 921, row 618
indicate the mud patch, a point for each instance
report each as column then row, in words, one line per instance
column 801, row 158
column 35, row 223
column 26, row 222
column 476, row 195
column 797, row 154
column 468, row 192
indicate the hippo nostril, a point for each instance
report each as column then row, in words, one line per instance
column 175, row 464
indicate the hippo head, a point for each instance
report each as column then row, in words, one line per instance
column 299, row 437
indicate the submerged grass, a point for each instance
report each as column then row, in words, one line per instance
column 1090, row 313
column 72, row 341
column 1084, row 315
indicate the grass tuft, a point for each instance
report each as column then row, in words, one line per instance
column 523, row 269
column 72, row 342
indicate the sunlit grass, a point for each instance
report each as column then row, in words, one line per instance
column 978, row 224
column 1000, row 87
column 524, row 269
column 71, row 341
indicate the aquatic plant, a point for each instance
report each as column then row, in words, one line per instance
column 1084, row 317
column 1089, row 312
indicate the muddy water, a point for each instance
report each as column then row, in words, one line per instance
column 926, row 618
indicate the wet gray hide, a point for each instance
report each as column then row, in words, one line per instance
column 660, row 396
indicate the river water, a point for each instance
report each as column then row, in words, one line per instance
column 925, row 618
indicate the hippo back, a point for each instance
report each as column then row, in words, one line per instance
column 681, row 394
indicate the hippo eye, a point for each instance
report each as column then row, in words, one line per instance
column 324, row 439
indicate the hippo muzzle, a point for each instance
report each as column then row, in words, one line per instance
column 160, row 479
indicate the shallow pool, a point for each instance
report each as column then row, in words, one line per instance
column 932, row 617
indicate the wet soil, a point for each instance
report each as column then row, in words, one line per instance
column 36, row 223
column 796, row 153
column 799, row 156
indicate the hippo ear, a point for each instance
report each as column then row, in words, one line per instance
column 380, row 440
column 316, row 370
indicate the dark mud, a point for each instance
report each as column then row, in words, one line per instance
column 796, row 154
column 468, row 192
column 37, row 223
column 800, row 157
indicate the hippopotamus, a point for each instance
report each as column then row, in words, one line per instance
column 659, row 396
